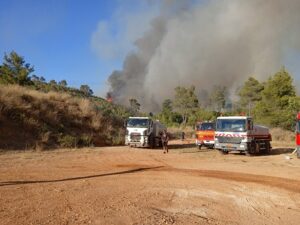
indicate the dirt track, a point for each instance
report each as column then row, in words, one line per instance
column 119, row 185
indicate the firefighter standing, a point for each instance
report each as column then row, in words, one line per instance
column 164, row 140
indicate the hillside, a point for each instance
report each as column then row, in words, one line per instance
column 33, row 119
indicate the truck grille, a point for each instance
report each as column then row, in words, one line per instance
column 135, row 137
column 208, row 137
column 233, row 140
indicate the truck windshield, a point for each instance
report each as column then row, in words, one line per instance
column 205, row 126
column 233, row 125
column 138, row 123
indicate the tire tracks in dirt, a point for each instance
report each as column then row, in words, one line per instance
column 279, row 182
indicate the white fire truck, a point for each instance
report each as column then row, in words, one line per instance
column 143, row 132
column 237, row 133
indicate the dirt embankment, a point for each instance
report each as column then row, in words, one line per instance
column 119, row 185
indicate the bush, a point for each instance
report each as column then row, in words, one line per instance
column 67, row 141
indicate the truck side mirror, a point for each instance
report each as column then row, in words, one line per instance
column 249, row 125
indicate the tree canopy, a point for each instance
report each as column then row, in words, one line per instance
column 185, row 102
column 279, row 102
column 218, row 98
column 14, row 70
column 86, row 90
column 250, row 94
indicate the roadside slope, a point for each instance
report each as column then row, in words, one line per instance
column 33, row 119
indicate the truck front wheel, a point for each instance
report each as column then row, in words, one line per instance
column 253, row 147
column 223, row 152
column 151, row 141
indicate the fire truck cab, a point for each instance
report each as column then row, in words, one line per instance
column 205, row 134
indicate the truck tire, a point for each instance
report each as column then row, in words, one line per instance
column 223, row 152
column 199, row 147
column 267, row 148
column 257, row 147
column 211, row 146
column 151, row 142
column 252, row 148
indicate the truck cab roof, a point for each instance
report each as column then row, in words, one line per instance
column 138, row 117
column 234, row 117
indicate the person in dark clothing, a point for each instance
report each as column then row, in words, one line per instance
column 164, row 140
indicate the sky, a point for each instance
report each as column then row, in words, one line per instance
column 76, row 40
column 84, row 41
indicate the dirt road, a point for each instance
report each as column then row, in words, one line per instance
column 119, row 185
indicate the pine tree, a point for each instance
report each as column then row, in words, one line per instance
column 14, row 70
column 250, row 94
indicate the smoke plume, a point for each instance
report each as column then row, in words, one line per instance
column 207, row 43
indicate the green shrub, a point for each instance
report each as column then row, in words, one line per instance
column 67, row 141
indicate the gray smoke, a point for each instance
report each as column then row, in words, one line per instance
column 218, row 42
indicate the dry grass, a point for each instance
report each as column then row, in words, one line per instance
column 30, row 118
column 283, row 138
column 176, row 132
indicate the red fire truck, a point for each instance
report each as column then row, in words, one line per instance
column 298, row 135
column 205, row 134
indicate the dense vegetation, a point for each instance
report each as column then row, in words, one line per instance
column 273, row 103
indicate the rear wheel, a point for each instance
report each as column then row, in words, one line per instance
column 257, row 147
column 199, row 147
column 267, row 147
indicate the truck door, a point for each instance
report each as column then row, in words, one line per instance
column 249, row 125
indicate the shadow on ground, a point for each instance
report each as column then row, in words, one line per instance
column 279, row 151
column 20, row 182
column 181, row 146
